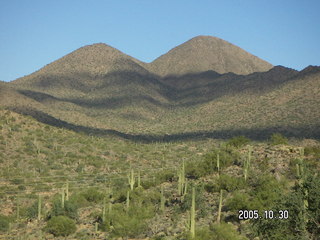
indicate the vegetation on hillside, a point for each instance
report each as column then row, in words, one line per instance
column 56, row 183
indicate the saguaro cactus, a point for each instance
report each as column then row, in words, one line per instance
column 182, row 185
column 220, row 206
column 301, row 178
column 162, row 200
column 128, row 201
column 139, row 179
column 218, row 163
column 104, row 210
column 18, row 208
column 39, row 207
column 131, row 179
column 247, row 163
column 67, row 190
column 62, row 197
column 249, row 155
column 193, row 214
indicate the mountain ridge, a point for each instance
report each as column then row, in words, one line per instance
column 99, row 87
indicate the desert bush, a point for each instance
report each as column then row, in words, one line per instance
column 130, row 223
column 4, row 223
column 265, row 191
column 230, row 183
column 70, row 209
column 238, row 141
column 92, row 195
column 238, row 201
column 225, row 231
column 165, row 176
column 201, row 234
column 277, row 139
column 61, row 226
column 17, row 181
column 312, row 150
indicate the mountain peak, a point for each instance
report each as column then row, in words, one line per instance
column 205, row 53
column 205, row 38
column 82, row 66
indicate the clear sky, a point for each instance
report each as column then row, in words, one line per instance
column 34, row 33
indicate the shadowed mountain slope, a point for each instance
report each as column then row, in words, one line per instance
column 206, row 53
column 281, row 99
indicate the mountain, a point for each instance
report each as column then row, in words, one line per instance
column 82, row 70
column 204, row 53
column 98, row 88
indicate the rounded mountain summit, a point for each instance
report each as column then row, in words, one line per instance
column 205, row 53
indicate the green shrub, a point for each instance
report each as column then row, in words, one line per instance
column 79, row 200
column 201, row 234
column 132, row 223
column 4, row 223
column 17, row 181
column 238, row 201
column 277, row 139
column 165, row 176
column 266, row 191
column 230, row 183
column 238, row 142
column 93, row 195
column 61, row 226
column 70, row 209
column 225, row 231
column 312, row 150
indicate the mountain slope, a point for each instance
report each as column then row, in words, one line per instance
column 280, row 100
column 206, row 53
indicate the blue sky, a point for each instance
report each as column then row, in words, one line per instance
column 34, row 33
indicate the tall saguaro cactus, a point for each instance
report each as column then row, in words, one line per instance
column 247, row 163
column 193, row 214
column 128, row 201
column 301, row 174
column 218, row 163
column 18, row 208
column 62, row 197
column 104, row 210
column 67, row 190
column 220, row 206
column 162, row 200
column 131, row 179
column 39, row 207
column 182, row 183
column 139, row 179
